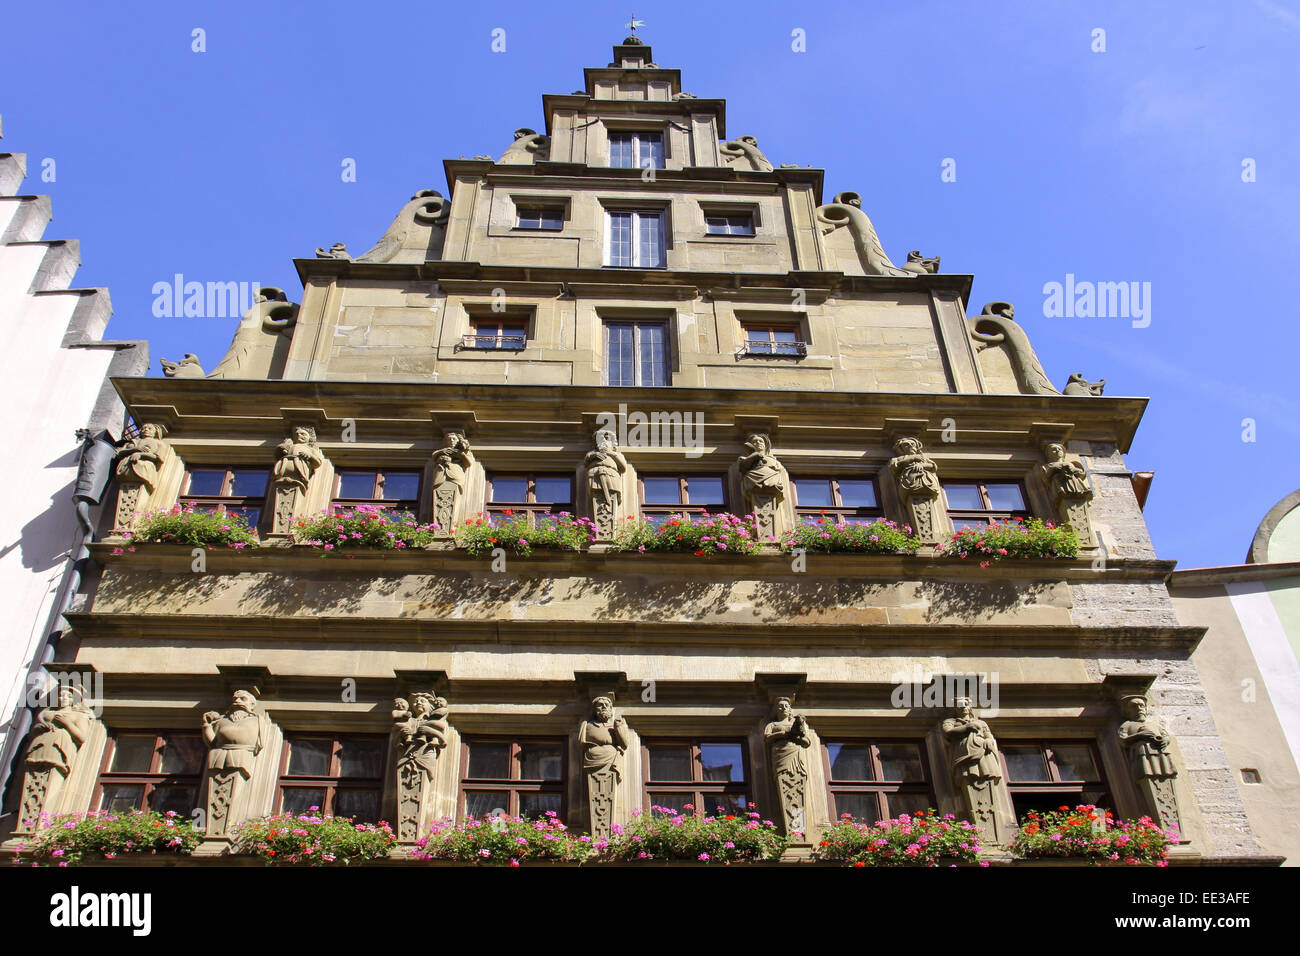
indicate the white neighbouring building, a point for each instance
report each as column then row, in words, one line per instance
column 54, row 379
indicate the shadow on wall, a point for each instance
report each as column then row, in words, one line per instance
column 633, row 597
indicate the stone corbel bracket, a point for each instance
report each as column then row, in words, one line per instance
column 445, row 421
column 255, row 679
column 772, row 687
column 593, row 684
column 409, row 682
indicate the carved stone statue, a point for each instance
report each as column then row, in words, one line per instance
column 337, row 251
column 138, row 463
column 426, row 208
column 1068, row 484
column 421, row 731
column 261, row 342
column 787, row 741
column 56, row 741
column 846, row 210
column 977, row 772
column 676, row 96
column 234, row 740
column 921, row 265
column 918, row 485
column 1150, row 762
column 1078, row 385
column 298, row 458
column 603, row 737
column 450, row 464
column 763, row 480
column 188, row 367
column 605, row 467
column 528, row 147
column 745, row 148
column 996, row 326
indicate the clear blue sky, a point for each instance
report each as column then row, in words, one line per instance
column 1117, row 166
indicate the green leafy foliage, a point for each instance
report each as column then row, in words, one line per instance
column 364, row 526
column 193, row 527
column 917, row 839
column 840, row 537
column 667, row 834
column 309, row 839
column 1095, row 835
column 702, row 535
column 503, row 841
column 562, row 532
column 70, row 838
column 1019, row 538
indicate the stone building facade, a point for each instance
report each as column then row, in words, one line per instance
column 634, row 314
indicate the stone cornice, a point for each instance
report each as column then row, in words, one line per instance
column 1232, row 574
column 635, row 281
column 244, row 408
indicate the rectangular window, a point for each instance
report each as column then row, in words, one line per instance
column 764, row 339
column 509, row 334
column 976, row 504
column 635, row 239
column 663, row 496
column 148, row 771
column 235, row 490
column 529, row 494
column 518, row 777
column 695, row 776
column 383, row 489
column 876, row 780
column 540, row 217
column 638, row 150
column 342, row 776
column 852, row 500
column 730, row 224
column 1045, row 776
column 636, row 353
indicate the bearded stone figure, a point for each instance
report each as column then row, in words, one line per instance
column 918, row 485
column 1150, row 761
column 977, row 771
column 450, row 465
column 605, row 467
column 421, row 731
column 787, row 742
column 234, row 740
column 1068, row 484
column 56, row 741
column 763, row 480
column 603, row 737
column 298, row 458
column 138, row 464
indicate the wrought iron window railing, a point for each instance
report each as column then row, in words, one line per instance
column 487, row 342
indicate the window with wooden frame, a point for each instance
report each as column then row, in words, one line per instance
column 663, row 496
column 974, row 504
column 702, row 776
column 1044, row 776
column 539, row 217
column 636, row 353
column 636, row 149
column 342, row 776
column 385, row 488
column 634, row 238
column 729, row 223
column 233, row 489
column 532, row 494
column 876, row 780
column 506, row 333
column 520, row 777
column 768, row 338
column 848, row 500
column 151, row 771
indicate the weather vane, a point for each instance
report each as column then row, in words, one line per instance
column 634, row 23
